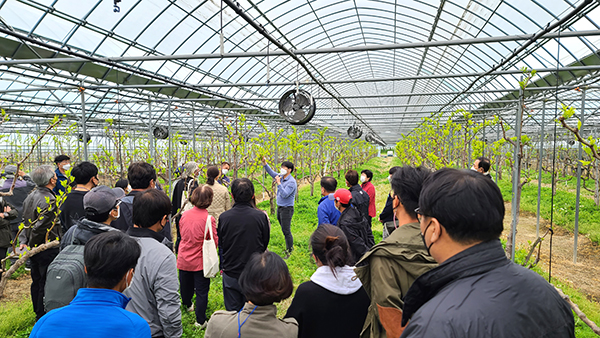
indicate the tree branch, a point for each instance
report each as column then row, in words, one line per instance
column 578, row 312
column 578, row 136
column 6, row 274
column 504, row 134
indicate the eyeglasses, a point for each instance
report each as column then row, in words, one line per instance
column 419, row 214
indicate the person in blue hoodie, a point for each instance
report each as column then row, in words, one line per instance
column 327, row 212
column 99, row 309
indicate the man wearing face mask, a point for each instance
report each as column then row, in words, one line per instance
column 99, row 309
column 72, row 209
column 476, row 291
column 63, row 164
column 39, row 215
column 102, row 207
column 155, row 287
column 224, row 180
column 286, row 193
column 388, row 270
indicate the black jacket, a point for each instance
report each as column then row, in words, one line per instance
column 125, row 221
column 357, row 230
column 5, row 233
column 387, row 215
column 360, row 199
column 480, row 293
column 243, row 230
column 16, row 200
column 180, row 187
column 82, row 231
column 72, row 209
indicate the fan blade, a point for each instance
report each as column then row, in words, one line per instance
column 287, row 104
column 299, row 114
column 302, row 100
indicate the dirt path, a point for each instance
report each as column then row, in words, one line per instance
column 16, row 289
column 584, row 275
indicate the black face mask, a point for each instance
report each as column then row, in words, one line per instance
column 423, row 238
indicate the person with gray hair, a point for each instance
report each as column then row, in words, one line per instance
column 40, row 219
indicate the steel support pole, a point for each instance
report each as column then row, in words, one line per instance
column 170, row 155
column 150, row 134
column 516, row 169
column 83, row 126
column 193, row 131
column 497, row 162
column 39, row 147
column 541, row 156
column 577, row 197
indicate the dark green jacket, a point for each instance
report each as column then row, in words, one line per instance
column 5, row 234
column 388, row 270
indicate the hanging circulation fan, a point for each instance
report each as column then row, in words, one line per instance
column 88, row 138
column 161, row 132
column 354, row 132
column 370, row 138
column 297, row 106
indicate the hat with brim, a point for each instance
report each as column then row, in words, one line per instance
column 10, row 171
column 343, row 196
column 102, row 199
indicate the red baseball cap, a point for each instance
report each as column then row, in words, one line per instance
column 343, row 196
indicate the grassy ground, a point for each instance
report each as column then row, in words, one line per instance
column 564, row 206
column 16, row 319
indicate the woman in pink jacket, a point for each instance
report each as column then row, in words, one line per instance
column 189, row 261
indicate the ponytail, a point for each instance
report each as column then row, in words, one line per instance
column 330, row 246
column 211, row 174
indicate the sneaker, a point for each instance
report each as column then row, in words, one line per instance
column 201, row 326
column 287, row 254
column 190, row 308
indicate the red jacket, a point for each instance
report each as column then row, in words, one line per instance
column 191, row 227
column 369, row 188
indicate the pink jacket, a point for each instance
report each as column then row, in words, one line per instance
column 191, row 227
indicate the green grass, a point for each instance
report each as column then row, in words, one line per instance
column 564, row 207
column 17, row 319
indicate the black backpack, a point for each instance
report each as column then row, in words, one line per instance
column 66, row 275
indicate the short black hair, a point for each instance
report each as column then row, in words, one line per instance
column 468, row 205
column 224, row 163
column 288, row 165
column 84, row 172
column 368, row 173
column 122, row 183
column 140, row 174
column 407, row 183
column 107, row 258
column 242, row 190
column 329, row 183
column 352, row 177
column 149, row 207
column 393, row 170
column 266, row 279
column 61, row 158
column 98, row 218
column 484, row 163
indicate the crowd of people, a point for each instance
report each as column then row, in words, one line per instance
column 440, row 270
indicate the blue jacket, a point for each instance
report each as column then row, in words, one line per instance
column 61, row 184
column 97, row 312
column 286, row 191
column 327, row 212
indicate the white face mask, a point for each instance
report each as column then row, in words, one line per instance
column 128, row 190
column 363, row 179
column 283, row 172
column 225, row 171
column 128, row 285
column 473, row 168
column 390, row 178
column 118, row 213
column 67, row 166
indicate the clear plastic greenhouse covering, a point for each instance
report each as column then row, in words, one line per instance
column 382, row 65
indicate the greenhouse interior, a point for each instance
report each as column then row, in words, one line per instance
column 330, row 86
